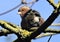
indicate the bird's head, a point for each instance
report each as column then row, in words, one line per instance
column 23, row 10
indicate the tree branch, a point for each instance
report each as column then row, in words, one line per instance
column 48, row 22
column 53, row 4
column 45, row 34
column 8, row 26
column 4, row 32
column 14, row 29
column 58, row 24
column 25, row 33
column 49, row 30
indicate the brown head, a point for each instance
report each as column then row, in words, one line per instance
column 23, row 10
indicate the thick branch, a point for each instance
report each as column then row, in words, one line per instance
column 14, row 29
column 48, row 22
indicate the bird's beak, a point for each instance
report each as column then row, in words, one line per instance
column 19, row 12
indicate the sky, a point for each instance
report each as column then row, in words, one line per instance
column 42, row 6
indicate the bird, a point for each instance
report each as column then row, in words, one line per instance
column 30, row 18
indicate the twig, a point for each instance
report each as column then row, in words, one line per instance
column 4, row 32
column 45, row 34
column 58, row 24
column 52, row 30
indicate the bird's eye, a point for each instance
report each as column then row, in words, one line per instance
column 22, row 9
